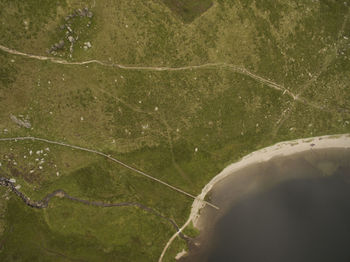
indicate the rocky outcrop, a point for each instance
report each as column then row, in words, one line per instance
column 21, row 122
column 71, row 33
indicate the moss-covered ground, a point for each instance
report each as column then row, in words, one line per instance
column 179, row 126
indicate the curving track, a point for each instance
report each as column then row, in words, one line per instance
column 44, row 203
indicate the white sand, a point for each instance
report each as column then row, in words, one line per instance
column 280, row 149
column 181, row 254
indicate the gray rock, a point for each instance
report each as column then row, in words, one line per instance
column 87, row 45
column 69, row 29
column 79, row 12
column 71, row 39
column 20, row 122
column 61, row 44
column 85, row 11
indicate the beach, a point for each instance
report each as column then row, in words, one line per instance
column 290, row 208
column 281, row 149
column 278, row 150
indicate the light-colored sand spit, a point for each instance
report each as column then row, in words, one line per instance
column 280, row 149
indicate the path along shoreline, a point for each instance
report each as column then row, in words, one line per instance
column 281, row 149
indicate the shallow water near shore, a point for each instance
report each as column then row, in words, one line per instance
column 294, row 208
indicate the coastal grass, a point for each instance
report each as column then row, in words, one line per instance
column 188, row 10
column 182, row 127
column 177, row 246
column 63, row 229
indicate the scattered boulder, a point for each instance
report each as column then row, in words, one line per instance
column 26, row 24
column 71, row 35
column 87, row 45
column 24, row 123
column 61, row 44
column 85, row 12
column 89, row 14
column 69, row 29
column 56, row 46
column 71, row 39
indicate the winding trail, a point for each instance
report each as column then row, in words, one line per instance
column 106, row 156
column 222, row 65
column 62, row 194
column 233, row 67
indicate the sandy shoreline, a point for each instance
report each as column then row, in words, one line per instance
column 280, row 149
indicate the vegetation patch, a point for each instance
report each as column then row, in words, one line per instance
column 188, row 10
column 186, row 102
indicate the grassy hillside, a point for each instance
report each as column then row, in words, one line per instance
column 181, row 126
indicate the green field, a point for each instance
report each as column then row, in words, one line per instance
column 180, row 126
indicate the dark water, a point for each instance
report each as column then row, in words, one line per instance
column 290, row 209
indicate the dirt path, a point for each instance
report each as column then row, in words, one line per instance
column 284, row 148
column 106, row 156
column 232, row 67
